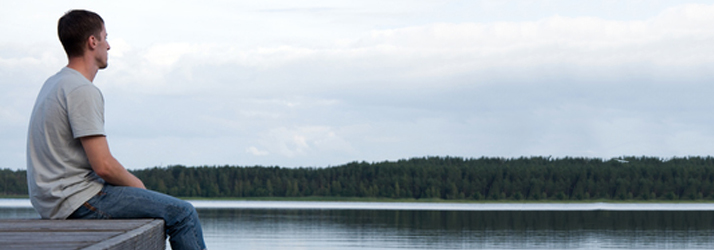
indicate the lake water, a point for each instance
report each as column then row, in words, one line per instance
column 354, row 225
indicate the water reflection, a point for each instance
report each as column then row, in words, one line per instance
column 380, row 229
column 18, row 213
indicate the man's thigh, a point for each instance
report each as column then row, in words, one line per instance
column 117, row 202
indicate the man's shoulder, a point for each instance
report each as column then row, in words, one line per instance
column 69, row 80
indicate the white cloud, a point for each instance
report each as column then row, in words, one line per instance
column 255, row 151
column 305, row 141
column 167, row 54
column 680, row 37
column 119, row 47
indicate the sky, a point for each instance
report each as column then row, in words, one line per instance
column 324, row 83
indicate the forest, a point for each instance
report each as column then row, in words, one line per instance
column 447, row 178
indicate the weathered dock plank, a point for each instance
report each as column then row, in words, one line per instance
column 82, row 234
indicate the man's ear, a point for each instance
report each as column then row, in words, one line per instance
column 92, row 42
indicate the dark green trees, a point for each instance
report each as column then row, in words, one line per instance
column 517, row 179
column 13, row 182
column 534, row 178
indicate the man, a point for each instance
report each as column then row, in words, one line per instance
column 70, row 171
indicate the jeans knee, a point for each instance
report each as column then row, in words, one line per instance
column 187, row 206
column 181, row 212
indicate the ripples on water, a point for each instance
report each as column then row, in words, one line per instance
column 394, row 229
column 273, row 225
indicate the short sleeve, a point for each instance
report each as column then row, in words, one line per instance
column 85, row 110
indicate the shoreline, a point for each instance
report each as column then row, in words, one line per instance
column 24, row 203
column 431, row 200
column 411, row 200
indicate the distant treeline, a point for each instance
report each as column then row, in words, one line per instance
column 526, row 178
column 13, row 182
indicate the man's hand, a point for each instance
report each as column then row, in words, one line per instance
column 104, row 164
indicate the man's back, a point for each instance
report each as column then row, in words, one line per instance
column 60, row 177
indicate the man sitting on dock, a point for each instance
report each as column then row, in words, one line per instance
column 71, row 173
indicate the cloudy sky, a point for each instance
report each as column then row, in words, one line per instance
column 323, row 83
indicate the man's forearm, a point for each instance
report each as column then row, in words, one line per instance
column 105, row 165
column 119, row 176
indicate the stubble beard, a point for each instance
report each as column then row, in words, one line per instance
column 103, row 64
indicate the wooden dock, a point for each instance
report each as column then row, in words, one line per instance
column 82, row 234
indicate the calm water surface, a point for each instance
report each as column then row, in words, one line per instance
column 291, row 225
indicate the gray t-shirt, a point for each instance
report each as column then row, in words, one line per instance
column 59, row 176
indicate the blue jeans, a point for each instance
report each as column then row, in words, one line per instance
column 116, row 202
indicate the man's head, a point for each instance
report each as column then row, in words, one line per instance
column 81, row 30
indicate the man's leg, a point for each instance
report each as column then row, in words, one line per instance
column 115, row 202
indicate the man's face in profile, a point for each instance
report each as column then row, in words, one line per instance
column 101, row 51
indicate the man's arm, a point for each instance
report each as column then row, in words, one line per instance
column 104, row 164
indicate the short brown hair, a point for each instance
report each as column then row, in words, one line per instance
column 75, row 27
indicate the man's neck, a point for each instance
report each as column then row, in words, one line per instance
column 83, row 66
